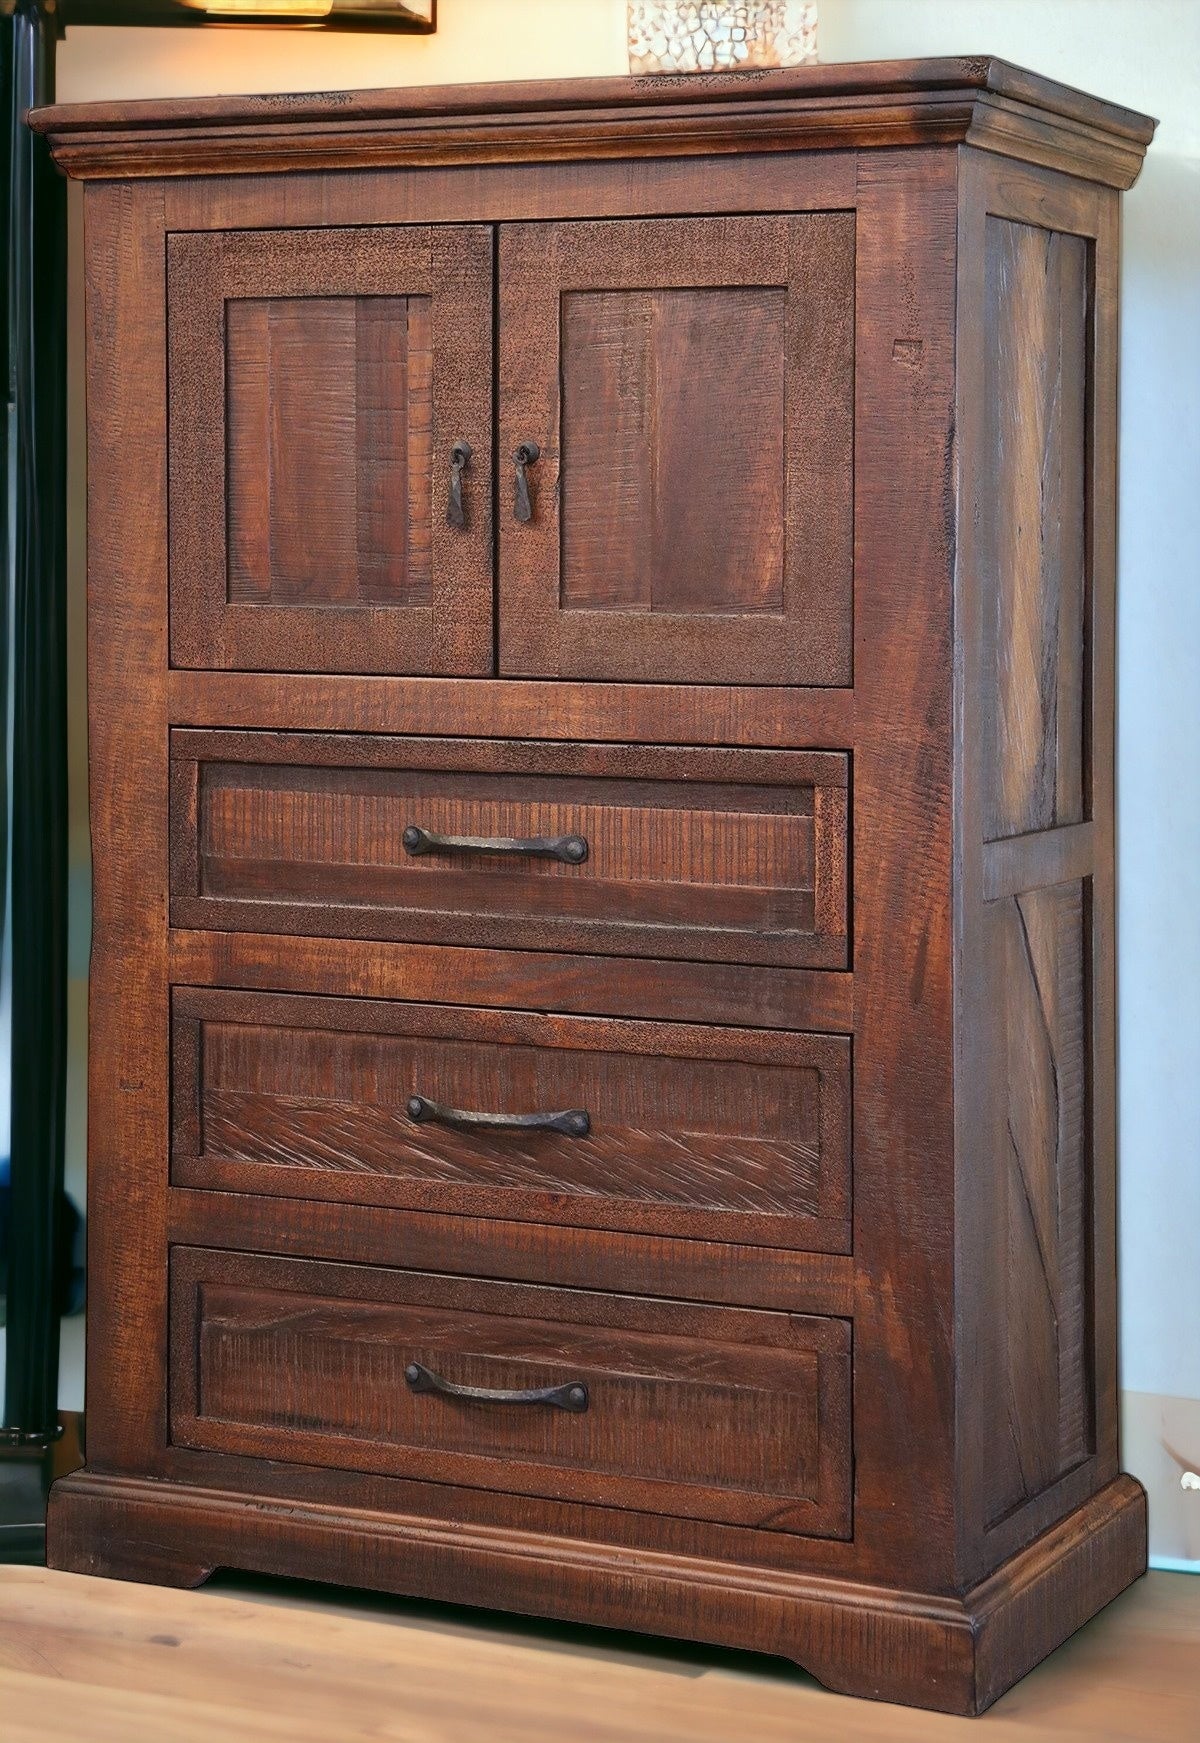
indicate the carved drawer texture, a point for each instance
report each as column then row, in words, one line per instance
column 674, row 1129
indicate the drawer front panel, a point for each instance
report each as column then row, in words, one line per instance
column 699, row 1132
column 709, row 1413
column 732, row 856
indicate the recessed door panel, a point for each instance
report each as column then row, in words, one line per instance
column 659, row 515
column 329, row 463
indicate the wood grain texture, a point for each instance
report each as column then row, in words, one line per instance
column 318, row 380
column 1045, row 1409
column 330, row 466
column 271, row 1355
column 769, row 716
column 949, row 1654
column 1032, row 542
column 806, row 996
column 1036, row 967
column 656, row 389
column 1035, row 861
column 503, row 192
column 690, row 992
column 978, row 98
column 523, row 1252
column 282, row 1654
column 716, row 855
column 1102, row 735
column 712, row 1133
column 672, row 483
column 127, row 781
column 901, row 829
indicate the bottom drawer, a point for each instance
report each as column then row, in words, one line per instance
column 715, row 1413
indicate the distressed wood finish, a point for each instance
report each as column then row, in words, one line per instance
column 954, row 1654
column 689, row 992
column 720, row 855
column 769, row 716
column 1035, row 386
column 702, row 1132
column 903, row 1141
column 973, row 98
column 1036, row 968
column 691, row 520
column 692, row 501
column 318, row 381
column 707, row 1413
column 810, row 635
column 128, row 998
column 1040, row 943
column 329, row 479
column 528, row 1252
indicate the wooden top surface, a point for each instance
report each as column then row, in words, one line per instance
column 866, row 103
column 863, row 80
column 261, row 1661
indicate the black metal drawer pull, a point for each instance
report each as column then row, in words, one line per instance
column 571, row 849
column 572, row 1396
column 573, row 1121
column 460, row 453
column 524, row 457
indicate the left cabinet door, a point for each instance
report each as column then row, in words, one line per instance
column 322, row 386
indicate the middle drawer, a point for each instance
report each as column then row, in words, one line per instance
column 658, row 1128
column 707, row 855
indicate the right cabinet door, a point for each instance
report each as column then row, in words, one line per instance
column 687, row 387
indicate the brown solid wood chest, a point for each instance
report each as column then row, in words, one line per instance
column 601, row 703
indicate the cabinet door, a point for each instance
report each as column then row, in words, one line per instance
column 319, row 381
column 689, row 384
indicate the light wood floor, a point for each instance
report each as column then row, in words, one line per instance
column 247, row 1661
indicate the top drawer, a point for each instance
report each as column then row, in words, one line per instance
column 704, row 855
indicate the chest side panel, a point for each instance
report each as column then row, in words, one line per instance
column 1035, row 817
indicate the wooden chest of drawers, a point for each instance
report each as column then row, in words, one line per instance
column 601, row 692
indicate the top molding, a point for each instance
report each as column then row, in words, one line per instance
column 973, row 99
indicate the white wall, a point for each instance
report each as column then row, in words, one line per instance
column 1145, row 53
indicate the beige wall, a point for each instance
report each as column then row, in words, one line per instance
column 1142, row 52
column 476, row 40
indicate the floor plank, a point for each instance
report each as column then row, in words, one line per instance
column 261, row 1661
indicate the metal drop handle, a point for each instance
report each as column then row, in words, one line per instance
column 571, row 1396
column 574, row 1122
column 523, row 457
column 460, row 454
column 570, row 849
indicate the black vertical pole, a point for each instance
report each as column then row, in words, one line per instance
column 7, row 445
column 36, row 673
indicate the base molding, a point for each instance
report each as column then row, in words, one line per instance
column 950, row 1654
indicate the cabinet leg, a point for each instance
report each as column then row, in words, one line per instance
column 112, row 1549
